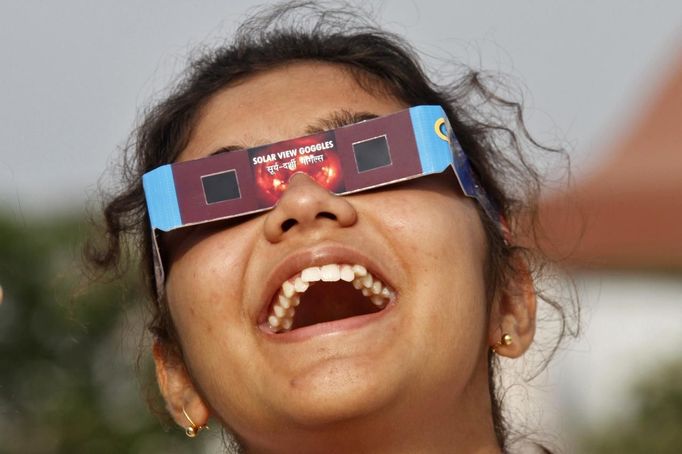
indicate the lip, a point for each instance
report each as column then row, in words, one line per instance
column 318, row 255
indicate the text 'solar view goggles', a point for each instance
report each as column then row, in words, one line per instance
column 385, row 150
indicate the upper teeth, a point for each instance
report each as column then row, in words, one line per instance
column 282, row 311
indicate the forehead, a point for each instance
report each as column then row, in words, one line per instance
column 278, row 104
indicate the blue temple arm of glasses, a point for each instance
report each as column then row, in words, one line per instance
column 439, row 148
column 162, row 199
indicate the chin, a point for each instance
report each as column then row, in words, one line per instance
column 338, row 391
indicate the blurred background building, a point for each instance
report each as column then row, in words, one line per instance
column 618, row 231
column 602, row 79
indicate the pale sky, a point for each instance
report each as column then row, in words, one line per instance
column 75, row 73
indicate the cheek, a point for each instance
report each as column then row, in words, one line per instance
column 440, row 239
column 437, row 232
column 205, row 291
column 204, row 285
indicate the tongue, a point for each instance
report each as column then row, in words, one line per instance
column 328, row 301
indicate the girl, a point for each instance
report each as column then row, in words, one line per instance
column 331, row 322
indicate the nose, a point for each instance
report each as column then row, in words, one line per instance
column 307, row 205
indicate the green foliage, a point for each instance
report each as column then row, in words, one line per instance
column 656, row 424
column 68, row 381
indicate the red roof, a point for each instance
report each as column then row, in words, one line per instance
column 628, row 212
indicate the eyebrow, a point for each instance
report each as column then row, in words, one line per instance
column 336, row 119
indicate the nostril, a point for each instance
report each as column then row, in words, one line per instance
column 289, row 223
column 326, row 215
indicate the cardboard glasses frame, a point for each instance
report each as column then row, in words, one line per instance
column 408, row 144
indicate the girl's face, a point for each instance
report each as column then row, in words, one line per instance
column 424, row 352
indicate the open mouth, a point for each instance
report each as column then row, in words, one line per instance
column 327, row 293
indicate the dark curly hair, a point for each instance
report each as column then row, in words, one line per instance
column 489, row 127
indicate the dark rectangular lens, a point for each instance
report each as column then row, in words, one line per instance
column 371, row 154
column 221, row 186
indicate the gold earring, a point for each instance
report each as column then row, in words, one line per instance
column 193, row 429
column 505, row 340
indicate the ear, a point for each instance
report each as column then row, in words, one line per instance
column 513, row 312
column 177, row 388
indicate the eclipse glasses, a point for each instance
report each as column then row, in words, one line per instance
column 408, row 144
